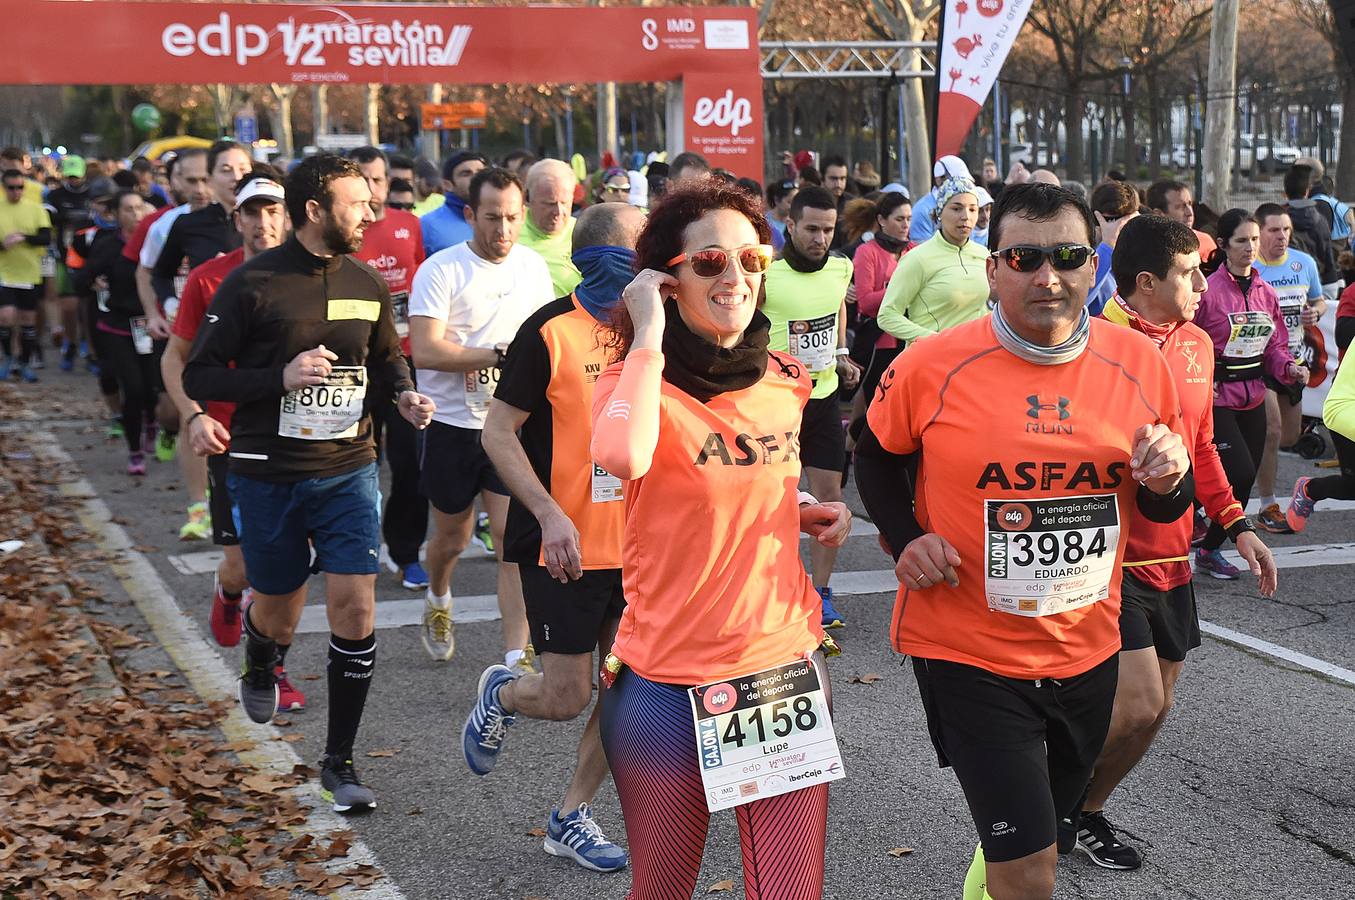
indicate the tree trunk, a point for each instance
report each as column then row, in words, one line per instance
column 373, row 114
column 1154, row 129
column 918, row 144
column 320, row 108
column 1345, row 162
column 606, row 104
column 282, row 117
column 1219, row 117
column 1072, row 116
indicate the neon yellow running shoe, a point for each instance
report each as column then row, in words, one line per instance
column 165, row 445
column 199, row 524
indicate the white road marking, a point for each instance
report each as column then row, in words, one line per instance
column 204, row 668
column 1302, row 660
column 399, row 613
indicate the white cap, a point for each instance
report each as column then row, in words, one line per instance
column 260, row 189
column 896, row 188
column 985, row 198
column 951, row 167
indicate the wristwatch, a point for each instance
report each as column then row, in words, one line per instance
column 501, row 351
column 1239, row 527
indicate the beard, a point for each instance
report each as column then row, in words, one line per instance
column 337, row 241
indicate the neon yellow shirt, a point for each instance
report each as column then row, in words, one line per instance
column 21, row 265
column 428, row 204
column 1338, row 410
column 803, row 308
column 936, row 286
column 556, row 250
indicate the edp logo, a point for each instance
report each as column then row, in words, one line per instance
column 725, row 112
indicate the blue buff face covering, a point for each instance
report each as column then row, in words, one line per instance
column 606, row 271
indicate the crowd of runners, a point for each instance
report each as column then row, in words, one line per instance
column 638, row 388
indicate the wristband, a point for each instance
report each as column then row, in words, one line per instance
column 502, row 353
column 841, row 351
column 1239, row 527
column 804, row 497
column 189, row 421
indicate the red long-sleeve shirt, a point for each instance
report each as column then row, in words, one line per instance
column 1158, row 554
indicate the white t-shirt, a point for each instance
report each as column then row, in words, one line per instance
column 157, row 234
column 483, row 304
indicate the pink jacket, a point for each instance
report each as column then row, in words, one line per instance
column 1219, row 309
column 872, row 268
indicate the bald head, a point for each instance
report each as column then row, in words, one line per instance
column 1044, row 176
column 608, row 225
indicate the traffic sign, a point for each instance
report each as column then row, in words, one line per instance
column 246, row 128
column 451, row 116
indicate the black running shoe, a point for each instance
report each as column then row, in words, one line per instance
column 1096, row 838
column 339, row 784
column 258, row 688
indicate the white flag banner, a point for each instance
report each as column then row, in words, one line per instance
column 976, row 36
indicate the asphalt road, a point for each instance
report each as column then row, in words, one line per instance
column 1247, row 793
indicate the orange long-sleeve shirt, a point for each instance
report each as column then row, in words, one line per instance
column 1159, row 554
column 710, row 553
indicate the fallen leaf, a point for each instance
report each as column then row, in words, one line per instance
column 310, row 677
column 536, row 832
column 720, row 887
column 291, row 738
column 900, row 851
column 382, row 754
column 415, row 811
column 868, row 678
column 145, row 548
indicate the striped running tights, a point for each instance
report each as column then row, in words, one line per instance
column 651, row 746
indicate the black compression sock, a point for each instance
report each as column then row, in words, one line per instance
column 28, row 342
column 350, row 676
column 7, row 341
column 260, row 649
column 282, row 654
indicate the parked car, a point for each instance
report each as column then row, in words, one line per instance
column 1032, row 157
column 1256, row 149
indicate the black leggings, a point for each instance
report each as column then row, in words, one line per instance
column 1240, row 436
column 1337, row 487
column 879, row 362
column 138, row 378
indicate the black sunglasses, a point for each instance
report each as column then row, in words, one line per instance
column 1064, row 257
column 399, row 205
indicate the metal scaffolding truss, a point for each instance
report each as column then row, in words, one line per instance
column 848, row 59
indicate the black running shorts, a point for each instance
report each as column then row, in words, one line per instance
column 25, row 299
column 1165, row 620
column 1023, row 750
column 454, row 468
column 224, row 529
column 823, row 440
column 567, row 618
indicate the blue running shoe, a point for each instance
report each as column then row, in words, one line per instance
column 1300, row 506
column 831, row 617
column 27, row 374
column 578, row 836
column 1212, row 563
column 6, row 367
column 67, row 356
column 413, row 577
column 487, row 724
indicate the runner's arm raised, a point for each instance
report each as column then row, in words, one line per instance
column 626, row 414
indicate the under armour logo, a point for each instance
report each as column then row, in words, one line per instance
column 1036, row 407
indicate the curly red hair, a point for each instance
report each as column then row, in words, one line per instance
column 661, row 238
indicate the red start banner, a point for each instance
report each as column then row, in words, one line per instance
column 408, row 43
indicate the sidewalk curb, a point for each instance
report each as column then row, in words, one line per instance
column 206, row 673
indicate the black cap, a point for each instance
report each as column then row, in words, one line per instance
column 457, row 159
